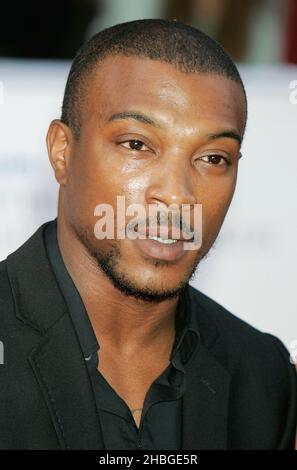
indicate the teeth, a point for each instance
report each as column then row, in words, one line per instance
column 161, row 240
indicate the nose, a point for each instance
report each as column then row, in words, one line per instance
column 171, row 183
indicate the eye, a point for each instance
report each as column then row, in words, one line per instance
column 215, row 160
column 134, row 144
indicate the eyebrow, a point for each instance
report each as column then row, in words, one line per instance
column 229, row 134
column 147, row 120
column 134, row 115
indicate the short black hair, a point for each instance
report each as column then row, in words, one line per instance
column 186, row 48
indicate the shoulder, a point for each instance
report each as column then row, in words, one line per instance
column 17, row 273
column 238, row 344
column 230, row 328
column 263, row 381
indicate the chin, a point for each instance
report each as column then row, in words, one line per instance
column 154, row 288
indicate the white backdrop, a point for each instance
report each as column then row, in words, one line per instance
column 252, row 268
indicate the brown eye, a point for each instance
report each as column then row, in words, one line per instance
column 135, row 145
column 217, row 160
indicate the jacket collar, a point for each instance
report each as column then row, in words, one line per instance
column 61, row 372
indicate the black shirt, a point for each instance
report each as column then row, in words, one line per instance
column 160, row 425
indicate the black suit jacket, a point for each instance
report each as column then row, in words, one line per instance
column 241, row 393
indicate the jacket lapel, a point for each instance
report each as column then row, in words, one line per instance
column 205, row 403
column 63, row 378
column 206, row 399
column 57, row 359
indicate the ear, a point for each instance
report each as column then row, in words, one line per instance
column 58, row 140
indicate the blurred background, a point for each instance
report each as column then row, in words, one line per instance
column 251, row 270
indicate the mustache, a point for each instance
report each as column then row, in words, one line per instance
column 161, row 221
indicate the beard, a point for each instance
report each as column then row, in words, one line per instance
column 109, row 261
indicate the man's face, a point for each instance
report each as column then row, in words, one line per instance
column 147, row 133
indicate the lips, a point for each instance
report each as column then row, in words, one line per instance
column 157, row 250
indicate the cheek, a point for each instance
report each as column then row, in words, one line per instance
column 106, row 171
column 116, row 175
column 98, row 176
column 94, row 177
column 215, row 203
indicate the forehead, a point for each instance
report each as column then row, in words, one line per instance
column 122, row 83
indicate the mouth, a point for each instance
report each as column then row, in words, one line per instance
column 167, row 241
column 161, row 249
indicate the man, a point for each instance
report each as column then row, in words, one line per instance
column 106, row 344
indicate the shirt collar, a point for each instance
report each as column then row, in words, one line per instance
column 187, row 331
column 77, row 311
